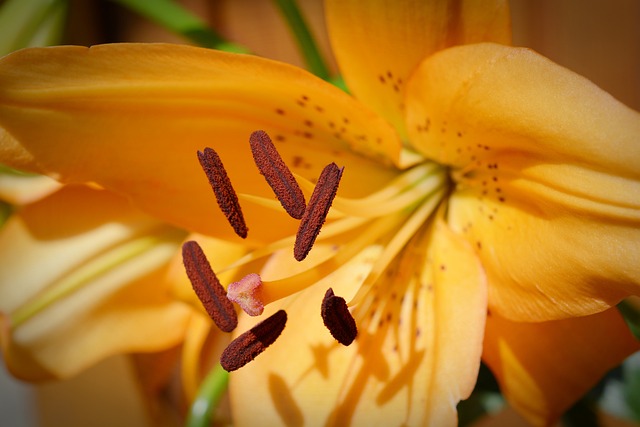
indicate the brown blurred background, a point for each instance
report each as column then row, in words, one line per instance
column 598, row 39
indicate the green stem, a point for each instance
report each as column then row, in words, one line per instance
column 174, row 17
column 27, row 23
column 631, row 316
column 211, row 391
column 303, row 36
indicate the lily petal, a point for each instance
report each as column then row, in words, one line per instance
column 379, row 43
column 416, row 355
column 18, row 188
column 131, row 117
column 81, row 279
column 546, row 167
column 543, row 368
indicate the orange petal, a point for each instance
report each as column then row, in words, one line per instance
column 546, row 168
column 131, row 117
column 543, row 368
column 82, row 279
column 379, row 43
column 416, row 355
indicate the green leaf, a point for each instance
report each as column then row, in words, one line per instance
column 179, row 20
column 304, row 38
column 631, row 316
column 631, row 373
column 28, row 23
column 620, row 394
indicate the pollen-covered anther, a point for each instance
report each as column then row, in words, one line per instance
column 277, row 174
column 250, row 344
column 338, row 319
column 208, row 288
column 223, row 190
column 317, row 210
column 247, row 293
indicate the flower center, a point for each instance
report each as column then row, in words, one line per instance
column 386, row 220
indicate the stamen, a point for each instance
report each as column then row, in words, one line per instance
column 208, row 288
column 338, row 319
column 250, row 344
column 248, row 294
column 222, row 188
column 316, row 212
column 277, row 174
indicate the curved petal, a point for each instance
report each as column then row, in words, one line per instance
column 379, row 43
column 81, row 279
column 131, row 117
column 416, row 355
column 548, row 183
column 543, row 368
column 19, row 189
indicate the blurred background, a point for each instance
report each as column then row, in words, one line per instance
column 595, row 38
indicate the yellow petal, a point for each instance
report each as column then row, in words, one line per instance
column 547, row 177
column 543, row 368
column 110, row 390
column 131, row 118
column 379, row 43
column 81, row 278
column 416, row 355
column 551, row 266
column 19, row 189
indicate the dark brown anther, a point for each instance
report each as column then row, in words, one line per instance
column 317, row 210
column 222, row 188
column 338, row 319
column 277, row 174
column 249, row 345
column 208, row 288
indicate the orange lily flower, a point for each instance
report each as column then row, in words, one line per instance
column 488, row 206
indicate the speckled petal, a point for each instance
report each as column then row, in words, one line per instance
column 547, row 177
column 416, row 355
column 131, row 118
column 379, row 43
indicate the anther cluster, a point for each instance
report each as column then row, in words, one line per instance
column 247, row 292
